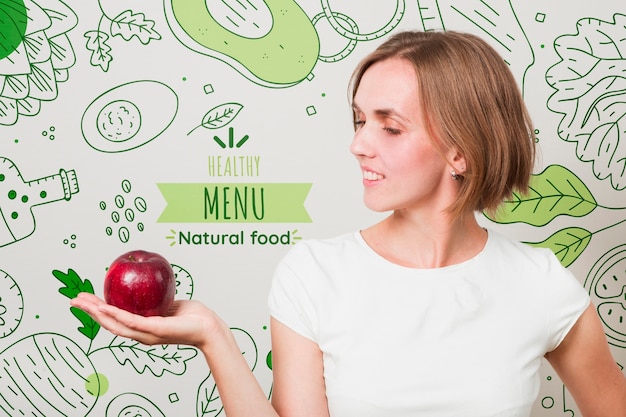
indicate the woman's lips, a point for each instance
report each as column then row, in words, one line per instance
column 372, row 176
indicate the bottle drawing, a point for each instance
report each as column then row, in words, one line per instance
column 18, row 197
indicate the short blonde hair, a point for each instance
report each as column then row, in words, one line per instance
column 471, row 103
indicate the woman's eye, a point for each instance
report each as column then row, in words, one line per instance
column 392, row 131
column 358, row 123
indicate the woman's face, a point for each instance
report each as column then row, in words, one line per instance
column 402, row 168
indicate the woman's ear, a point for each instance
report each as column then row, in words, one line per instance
column 457, row 161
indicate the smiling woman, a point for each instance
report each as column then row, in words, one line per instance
column 458, row 317
column 393, row 145
column 482, row 115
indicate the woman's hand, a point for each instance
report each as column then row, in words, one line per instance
column 187, row 322
column 190, row 323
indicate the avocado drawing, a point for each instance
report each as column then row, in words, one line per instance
column 272, row 43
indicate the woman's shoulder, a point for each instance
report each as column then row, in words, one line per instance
column 520, row 255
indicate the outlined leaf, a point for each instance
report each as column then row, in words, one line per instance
column 567, row 244
column 128, row 24
column 100, row 51
column 554, row 192
column 219, row 116
column 15, row 87
column 61, row 53
column 8, row 111
column 28, row 106
column 208, row 401
column 37, row 47
column 41, row 81
column 157, row 359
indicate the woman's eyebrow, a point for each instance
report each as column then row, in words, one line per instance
column 389, row 112
column 383, row 112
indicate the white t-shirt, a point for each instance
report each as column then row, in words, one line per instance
column 463, row 340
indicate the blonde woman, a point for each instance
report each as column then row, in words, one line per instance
column 425, row 313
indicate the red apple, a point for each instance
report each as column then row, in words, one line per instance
column 140, row 282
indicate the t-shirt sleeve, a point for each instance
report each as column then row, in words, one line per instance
column 290, row 301
column 567, row 300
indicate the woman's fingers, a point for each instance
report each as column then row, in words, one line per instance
column 87, row 302
column 186, row 322
column 115, row 320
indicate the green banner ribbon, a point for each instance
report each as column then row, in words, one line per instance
column 234, row 203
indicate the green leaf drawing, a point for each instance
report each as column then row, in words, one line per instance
column 157, row 359
column 554, row 192
column 567, row 244
column 13, row 22
column 42, row 83
column 90, row 327
column 128, row 24
column 35, row 55
column 100, row 51
column 208, row 401
column 219, row 116
column 74, row 285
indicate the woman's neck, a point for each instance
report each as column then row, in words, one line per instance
column 417, row 242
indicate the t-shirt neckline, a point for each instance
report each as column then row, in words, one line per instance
column 366, row 247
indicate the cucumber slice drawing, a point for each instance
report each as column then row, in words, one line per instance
column 11, row 304
column 606, row 284
column 184, row 283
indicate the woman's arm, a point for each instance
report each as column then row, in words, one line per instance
column 191, row 323
column 584, row 363
column 297, row 362
column 299, row 389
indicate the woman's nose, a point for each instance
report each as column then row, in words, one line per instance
column 361, row 143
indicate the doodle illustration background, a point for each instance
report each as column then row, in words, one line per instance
column 217, row 134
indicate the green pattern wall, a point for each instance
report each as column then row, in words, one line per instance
column 217, row 134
